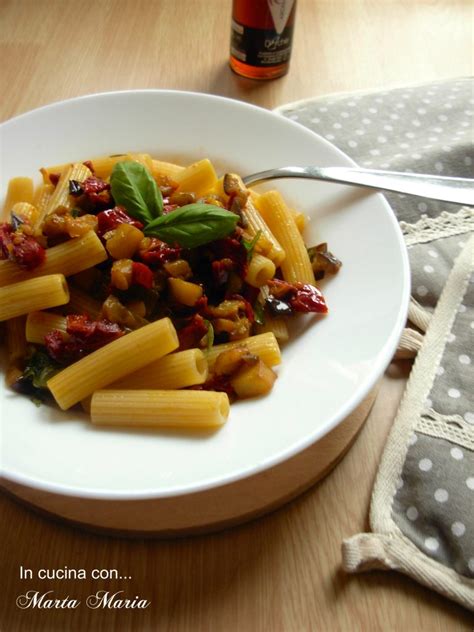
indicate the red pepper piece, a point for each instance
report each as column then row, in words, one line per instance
column 111, row 218
column 142, row 275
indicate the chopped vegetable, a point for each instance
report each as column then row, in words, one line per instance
column 83, row 337
column 323, row 261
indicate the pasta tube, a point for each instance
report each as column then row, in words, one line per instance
column 267, row 243
column 176, row 370
column 112, row 362
column 198, row 178
column 60, row 197
column 186, row 409
column 42, row 196
column 34, row 294
column 38, row 324
column 143, row 159
column 19, row 190
column 260, row 270
column 300, row 219
column 276, row 325
column 263, row 345
column 16, row 348
column 168, row 169
column 296, row 266
column 68, row 258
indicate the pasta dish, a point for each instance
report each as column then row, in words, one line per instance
column 150, row 293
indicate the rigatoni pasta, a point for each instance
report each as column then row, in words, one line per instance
column 296, row 266
column 188, row 409
column 67, row 258
column 181, row 284
column 174, row 371
column 33, row 294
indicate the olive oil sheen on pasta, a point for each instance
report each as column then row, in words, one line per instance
column 261, row 37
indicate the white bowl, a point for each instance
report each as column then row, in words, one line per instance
column 329, row 366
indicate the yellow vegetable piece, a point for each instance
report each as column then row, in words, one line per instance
column 185, row 292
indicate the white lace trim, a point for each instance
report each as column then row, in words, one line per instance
column 450, row 427
column 445, row 225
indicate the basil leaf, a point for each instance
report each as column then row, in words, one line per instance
column 133, row 187
column 250, row 245
column 193, row 225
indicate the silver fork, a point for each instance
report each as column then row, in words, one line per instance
column 457, row 190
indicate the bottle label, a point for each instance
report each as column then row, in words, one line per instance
column 261, row 47
column 280, row 10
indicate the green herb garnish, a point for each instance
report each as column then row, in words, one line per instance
column 189, row 226
column 250, row 245
column 193, row 225
column 210, row 334
column 259, row 313
column 134, row 188
column 39, row 369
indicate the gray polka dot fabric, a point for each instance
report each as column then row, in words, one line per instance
column 434, row 503
column 452, row 392
column 430, row 266
column 424, row 129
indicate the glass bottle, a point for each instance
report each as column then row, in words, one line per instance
column 261, row 37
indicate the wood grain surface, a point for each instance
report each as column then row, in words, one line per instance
column 281, row 572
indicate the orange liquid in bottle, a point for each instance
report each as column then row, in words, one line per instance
column 261, row 37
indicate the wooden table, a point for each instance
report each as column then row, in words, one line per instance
column 281, row 572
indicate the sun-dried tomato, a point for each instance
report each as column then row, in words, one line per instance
column 111, row 218
column 158, row 251
column 190, row 335
column 84, row 336
column 27, row 252
column 233, row 249
column 142, row 275
column 302, row 297
column 221, row 269
column 97, row 191
column 6, row 247
column 54, row 178
column 21, row 248
column 308, row 299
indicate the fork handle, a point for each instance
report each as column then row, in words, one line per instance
column 457, row 190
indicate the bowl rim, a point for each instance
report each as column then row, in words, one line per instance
column 383, row 359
